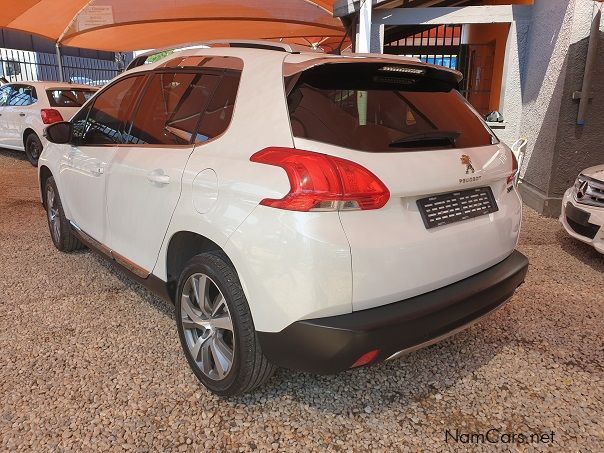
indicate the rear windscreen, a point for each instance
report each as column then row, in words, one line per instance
column 68, row 98
column 382, row 108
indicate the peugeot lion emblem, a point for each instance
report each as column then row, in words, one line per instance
column 465, row 160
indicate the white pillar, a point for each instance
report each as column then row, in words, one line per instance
column 364, row 35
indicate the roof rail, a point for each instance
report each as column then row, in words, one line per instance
column 141, row 58
column 234, row 43
column 258, row 44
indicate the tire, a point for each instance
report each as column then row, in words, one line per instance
column 33, row 148
column 210, row 343
column 60, row 231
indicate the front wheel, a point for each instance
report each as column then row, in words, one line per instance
column 216, row 329
column 33, row 149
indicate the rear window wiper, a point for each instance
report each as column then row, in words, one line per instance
column 426, row 139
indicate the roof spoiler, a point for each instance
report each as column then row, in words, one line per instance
column 141, row 59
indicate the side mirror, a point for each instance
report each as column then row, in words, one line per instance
column 59, row 133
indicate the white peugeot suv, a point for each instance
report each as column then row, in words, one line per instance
column 302, row 210
column 26, row 108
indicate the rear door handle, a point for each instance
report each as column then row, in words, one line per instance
column 21, row 114
column 158, row 177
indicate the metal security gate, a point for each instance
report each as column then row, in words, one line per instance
column 440, row 45
column 23, row 65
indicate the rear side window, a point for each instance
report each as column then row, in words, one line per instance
column 217, row 115
column 171, row 107
column 68, row 98
column 381, row 108
column 181, row 107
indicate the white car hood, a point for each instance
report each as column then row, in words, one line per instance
column 596, row 172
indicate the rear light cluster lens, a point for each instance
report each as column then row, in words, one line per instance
column 514, row 168
column 323, row 183
column 50, row 116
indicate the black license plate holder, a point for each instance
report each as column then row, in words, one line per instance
column 453, row 207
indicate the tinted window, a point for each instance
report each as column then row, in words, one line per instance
column 218, row 113
column 68, row 98
column 22, row 95
column 377, row 108
column 79, row 125
column 110, row 112
column 170, row 109
column 5, row 93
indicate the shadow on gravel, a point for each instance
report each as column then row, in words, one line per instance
column 19, row 155
column 580, row 250
column 398, row 383
column 157, row 303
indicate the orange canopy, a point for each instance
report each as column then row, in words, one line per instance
column 125, row 25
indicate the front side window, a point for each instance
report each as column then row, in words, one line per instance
column 170, row 109
column 5, row 93
column 68, row 98
column 108, row 114
column 22, row 95
column 381, row 108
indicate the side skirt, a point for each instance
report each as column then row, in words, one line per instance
column 153, row 283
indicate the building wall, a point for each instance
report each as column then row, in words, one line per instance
column 552, row 66
column 579, row 147
column 541, row 80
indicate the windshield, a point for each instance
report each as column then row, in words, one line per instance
column 69, row 98
column 377, row 108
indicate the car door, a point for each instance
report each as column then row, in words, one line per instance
column 20, row 105
column 144, row 182
column 83, row 166
column 5, row 116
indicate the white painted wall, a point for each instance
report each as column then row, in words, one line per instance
column 552, row 51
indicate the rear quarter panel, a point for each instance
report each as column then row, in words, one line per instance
column 259, row 120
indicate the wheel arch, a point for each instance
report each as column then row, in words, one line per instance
column 44, row 173
column 183, row 246
column 26, row 133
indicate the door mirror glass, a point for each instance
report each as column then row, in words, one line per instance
column 59, row 133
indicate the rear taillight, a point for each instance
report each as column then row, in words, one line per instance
column 323, row 183
column 50, row 116
column 514, row 168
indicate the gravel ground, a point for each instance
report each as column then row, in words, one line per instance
column 91, row 361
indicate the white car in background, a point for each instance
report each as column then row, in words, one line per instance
column 26, row 108
column 583, row 208
column 303, row 210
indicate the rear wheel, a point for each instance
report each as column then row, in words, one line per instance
column 216, row 329
column 60, row 230
column 33, row 148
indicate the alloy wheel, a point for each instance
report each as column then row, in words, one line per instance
column 54, row 219
column 207, row 326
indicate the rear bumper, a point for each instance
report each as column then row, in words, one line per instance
column 332, row 344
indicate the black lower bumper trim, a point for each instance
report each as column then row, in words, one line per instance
column 578, row 220
column 330, row 345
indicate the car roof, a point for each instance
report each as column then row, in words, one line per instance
column 280, row 53
column 45, row 85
